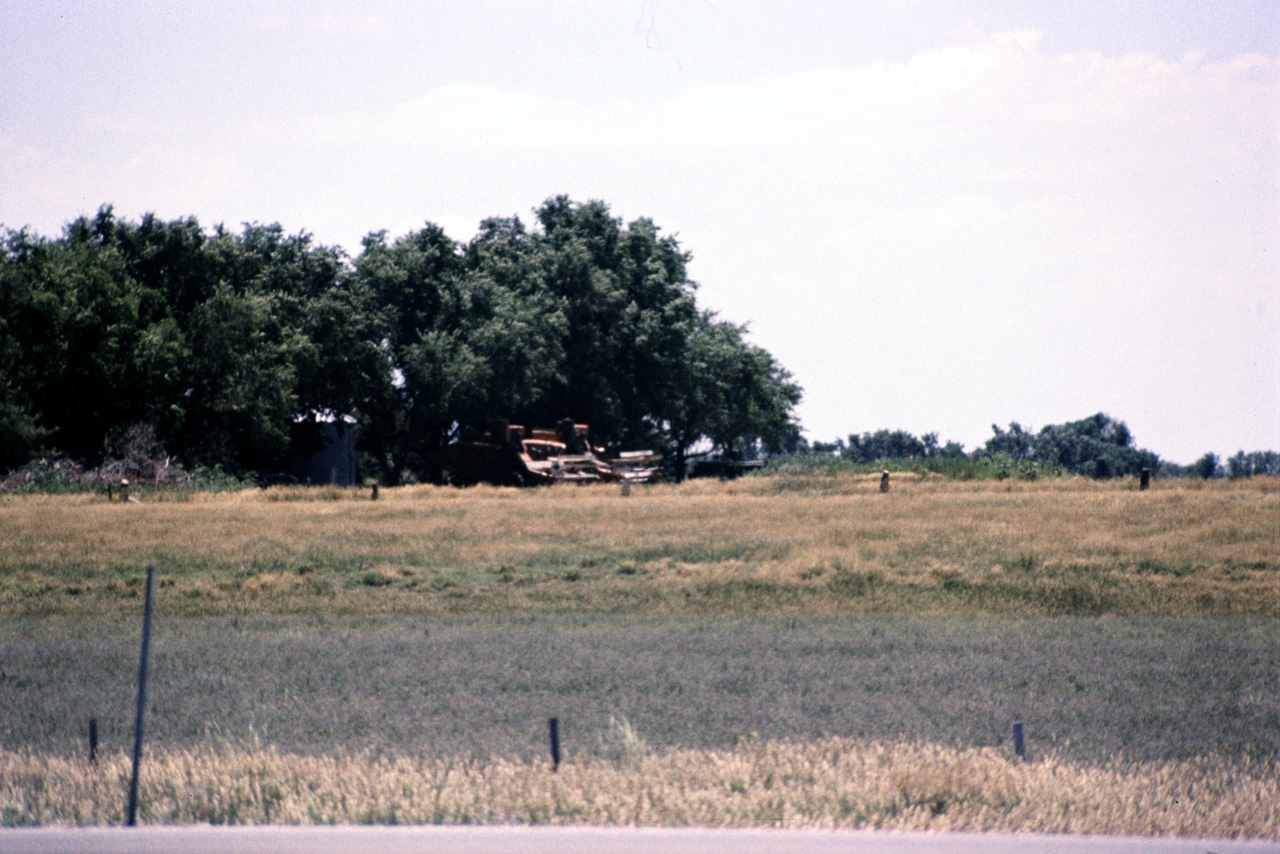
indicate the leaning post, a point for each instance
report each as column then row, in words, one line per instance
column 142, row 695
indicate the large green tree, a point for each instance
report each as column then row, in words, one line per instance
column 468, row 335
column 70, row 315
column 217, row 341
column 730, row 393
column 221, row 342
column 584, row 317
column 630, row 311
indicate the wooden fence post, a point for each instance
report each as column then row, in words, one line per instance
column 142, row 695
column 1144, row 481
column 1019, row 746
column 93, row 741
column 884, row 481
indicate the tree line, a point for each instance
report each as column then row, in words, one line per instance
column 221, row 343
column 1099, row 447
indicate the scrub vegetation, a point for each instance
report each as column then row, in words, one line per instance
column 825, row 783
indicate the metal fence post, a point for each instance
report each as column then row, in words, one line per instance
column 142, row 695
column 554, row 726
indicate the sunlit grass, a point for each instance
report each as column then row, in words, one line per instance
column 804, row 545
column 824, row 783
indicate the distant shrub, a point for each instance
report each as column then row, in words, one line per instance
column 997, row 467
column 205, row 479
column 136, row 457
column 54, row 477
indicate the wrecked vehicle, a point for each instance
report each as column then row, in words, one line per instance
column 509, row 455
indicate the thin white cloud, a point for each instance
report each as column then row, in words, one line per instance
column 997, row 91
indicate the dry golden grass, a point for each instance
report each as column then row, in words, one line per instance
column 827, row 783
column 815, row 544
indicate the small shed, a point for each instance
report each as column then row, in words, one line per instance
column 324, row 450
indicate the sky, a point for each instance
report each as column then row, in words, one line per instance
column 939, row 216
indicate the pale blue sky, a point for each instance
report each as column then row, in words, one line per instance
column 938, row 215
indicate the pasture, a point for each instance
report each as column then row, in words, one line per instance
column 801, row 651
column 801, row 546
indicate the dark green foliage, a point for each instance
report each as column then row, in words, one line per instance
column 888, row 446
column 1258, row 463
column 1207, row 466
column 216, row 341
column 730, row 391
column 1015, row 444
column 1098, row 447
column 824, row 463
column 219, row 341
column 885, row 445
column 583, row 318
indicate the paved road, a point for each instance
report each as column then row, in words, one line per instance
column 577, row 840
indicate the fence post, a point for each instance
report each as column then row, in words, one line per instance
column 884, row 481
column 1019, row 747
column 374, row 497
column 93, row 741
column 1144, row 481
column 554, row 726
column 142, row 695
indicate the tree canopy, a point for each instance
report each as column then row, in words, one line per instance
column 221, row 342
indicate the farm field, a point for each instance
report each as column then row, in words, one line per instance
column 800, row 652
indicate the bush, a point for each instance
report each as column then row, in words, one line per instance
column 1207, row 466
column 54, row 477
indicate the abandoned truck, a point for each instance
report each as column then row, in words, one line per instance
column 508, row 455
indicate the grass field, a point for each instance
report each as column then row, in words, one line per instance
column 803, row 651
column 796, row 545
